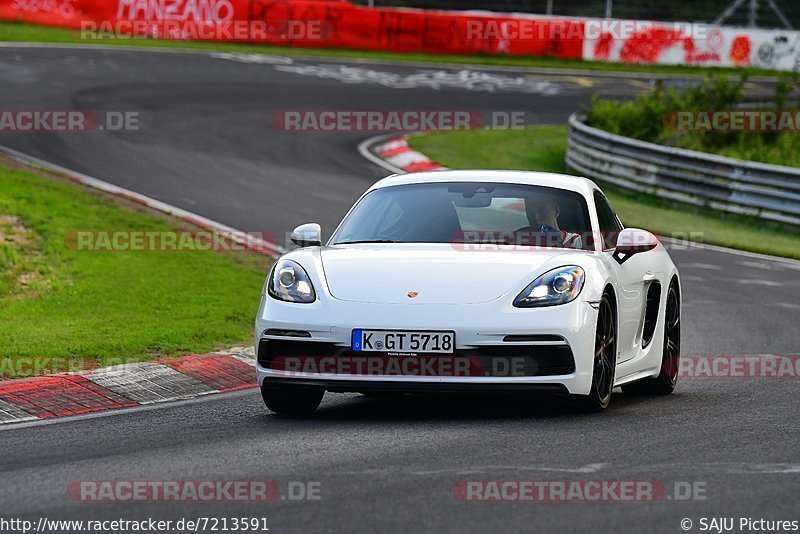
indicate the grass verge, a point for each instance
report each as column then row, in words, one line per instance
column 22, row 32
column 56, row 301
column 652, row 117
column 542, row 148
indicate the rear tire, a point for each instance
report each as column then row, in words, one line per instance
column 605, row 358
column 665, row 382
column 291, row 400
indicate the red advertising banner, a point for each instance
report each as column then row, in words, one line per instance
column 313, row 23
column 340, row 24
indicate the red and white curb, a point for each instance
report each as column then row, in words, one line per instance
column 126, row 385
column 395, row 154
column 134, row 384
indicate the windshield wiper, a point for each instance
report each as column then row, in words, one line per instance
column 364, row 241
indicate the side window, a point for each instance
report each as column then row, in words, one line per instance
column 609, row 223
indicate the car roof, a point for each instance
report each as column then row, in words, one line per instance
column 546, row 179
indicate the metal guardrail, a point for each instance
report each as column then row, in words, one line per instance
column 767, row 191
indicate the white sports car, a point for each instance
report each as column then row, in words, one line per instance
column 480, row 281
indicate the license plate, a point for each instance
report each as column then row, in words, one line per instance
column 404, row 341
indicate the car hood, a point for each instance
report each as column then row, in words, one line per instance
column 438, row 274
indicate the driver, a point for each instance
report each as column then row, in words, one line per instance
column 543, row 212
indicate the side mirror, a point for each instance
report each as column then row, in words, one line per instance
column 307, row 235
column 633, row 241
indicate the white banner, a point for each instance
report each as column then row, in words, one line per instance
column 692, row 44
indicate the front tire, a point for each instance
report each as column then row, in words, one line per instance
column 291, row 400
column 665, row 382
column 605, row 357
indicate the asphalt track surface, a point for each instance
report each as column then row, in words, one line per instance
column 386, row 464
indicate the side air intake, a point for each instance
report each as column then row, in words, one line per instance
column 651, row 313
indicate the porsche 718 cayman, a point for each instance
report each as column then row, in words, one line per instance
column 479, row 281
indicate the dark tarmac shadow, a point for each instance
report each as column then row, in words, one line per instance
column 389, row 408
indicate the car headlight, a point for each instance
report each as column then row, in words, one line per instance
column 558, row 286
column 288, row 281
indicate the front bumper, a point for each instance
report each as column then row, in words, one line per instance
column 506, row 349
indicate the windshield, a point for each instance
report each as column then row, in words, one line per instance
column 468, row 212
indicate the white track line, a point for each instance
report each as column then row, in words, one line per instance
column 128, row 410
column 726, row 250
column 555, row 71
